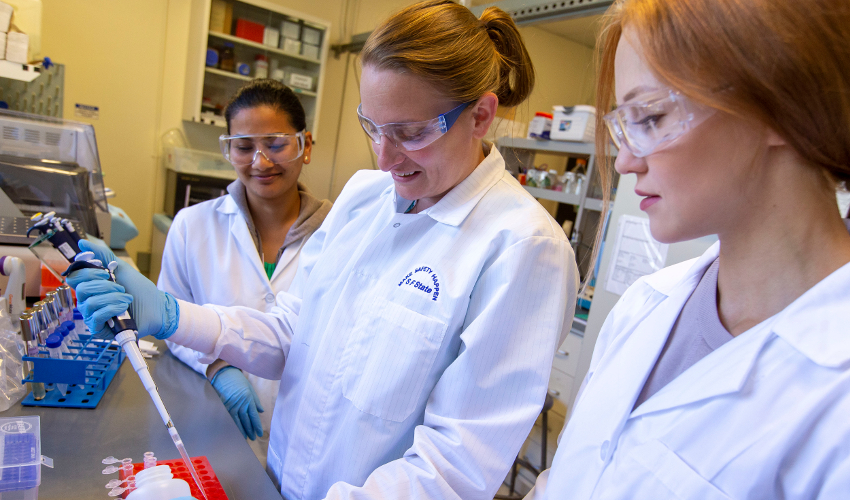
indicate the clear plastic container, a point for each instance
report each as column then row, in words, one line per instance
column 20, row 457
column 158, row 483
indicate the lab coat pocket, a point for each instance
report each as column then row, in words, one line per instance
column 388, row 358
column 669, row 476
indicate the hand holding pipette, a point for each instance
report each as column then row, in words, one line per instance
column 118, row 322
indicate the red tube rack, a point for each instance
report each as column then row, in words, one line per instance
column 212, row 487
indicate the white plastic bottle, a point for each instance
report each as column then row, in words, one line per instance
column 157, row 483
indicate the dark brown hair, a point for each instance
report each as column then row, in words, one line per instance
column 463, row 56
column 271, row 93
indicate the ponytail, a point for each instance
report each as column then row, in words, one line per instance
column 464, row 57
column 516, row 76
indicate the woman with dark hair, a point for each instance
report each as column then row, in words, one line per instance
column 256, row 233
column 727, row 376
column 416, row 342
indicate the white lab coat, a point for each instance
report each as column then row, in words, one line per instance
column 765, row 416
column 210, row 258
column 417, row 347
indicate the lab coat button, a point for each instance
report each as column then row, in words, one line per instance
column 269, row 298
column 396, row 224
column 603, row 451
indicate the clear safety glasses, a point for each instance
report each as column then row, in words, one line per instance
column 411, row 136
column 656, row 119
column 243, row 150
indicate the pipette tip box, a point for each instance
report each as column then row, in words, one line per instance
column 20, row 457
column 212, row 486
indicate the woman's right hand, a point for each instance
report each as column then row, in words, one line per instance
column 154, row 311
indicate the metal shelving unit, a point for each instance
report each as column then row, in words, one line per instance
column 520, row 152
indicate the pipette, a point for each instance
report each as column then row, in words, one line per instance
column 126, row 335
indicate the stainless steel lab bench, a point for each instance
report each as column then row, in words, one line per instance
column 126, row 424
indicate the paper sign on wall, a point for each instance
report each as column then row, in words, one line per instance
column 86, row 111
column 636, row 253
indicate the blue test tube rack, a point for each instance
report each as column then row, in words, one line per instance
column 88, row 370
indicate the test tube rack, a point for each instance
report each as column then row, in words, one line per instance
column 87, row 370
column 212, row 487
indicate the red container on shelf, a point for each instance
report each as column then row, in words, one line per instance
column 250, row 30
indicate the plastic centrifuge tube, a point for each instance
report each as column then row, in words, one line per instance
column 150, row 462
column 29, row 334
column 79, row 323
column 72, row 331
column 54, row 347
column 62, row 332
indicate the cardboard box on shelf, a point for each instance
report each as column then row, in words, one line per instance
column 290, row 29
column 250, row 30
column 5, row 16
column 290, row 46
column 17, row 45
column 271, row 37
column 221, row 16
column 312, row 36
column 311, row 51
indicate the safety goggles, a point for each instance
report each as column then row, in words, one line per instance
column 241, row 150
column 658, row 118
column 411, row 136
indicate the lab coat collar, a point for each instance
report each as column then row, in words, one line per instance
column 814, row 324
column 668, row 279
column 456, row 205
column 453, row 208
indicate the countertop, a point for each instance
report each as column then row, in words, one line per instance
column 126, row 424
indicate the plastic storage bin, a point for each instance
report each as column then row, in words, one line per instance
column 576, row 123
column 20, row 457
column 192, row 161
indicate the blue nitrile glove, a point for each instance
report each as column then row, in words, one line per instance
column 241, row 401
column 154, row 311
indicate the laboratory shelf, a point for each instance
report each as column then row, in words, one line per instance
column 551, row 194
column 228, row 74
column 208, row 88
column 581, row 148
column 237, row 76
column 260, row 46
column 596, row 204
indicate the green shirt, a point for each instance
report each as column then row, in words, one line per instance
column 269, row 268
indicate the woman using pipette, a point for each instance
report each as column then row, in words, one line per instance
column 416, row 341
column 256, row 233
column 727, row 376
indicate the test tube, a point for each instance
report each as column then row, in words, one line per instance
column 42, row 321
column 29, row 332
column 72, row 331
column 51, row 303
column 150, row 460
column 54, row 347
column 127, row 466
column 65, row 340
column 79, row 323
column 66, row 298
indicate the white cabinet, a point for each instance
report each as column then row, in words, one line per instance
column 294, row 46
column 562, row 378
